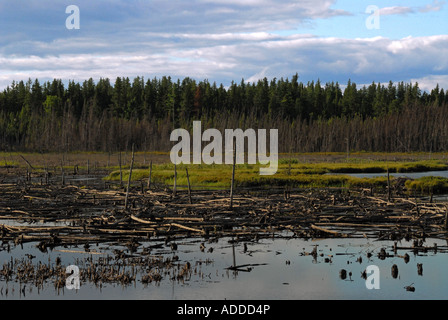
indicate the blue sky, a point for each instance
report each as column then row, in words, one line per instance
column 403, row 19
column 225, row 40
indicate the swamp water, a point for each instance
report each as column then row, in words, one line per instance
column 280, row 268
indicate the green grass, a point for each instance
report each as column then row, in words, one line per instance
column 219, row 176
column 363, row 166
column 295, row 170
column 213, row 176
column 290, row 172
column 428, row 185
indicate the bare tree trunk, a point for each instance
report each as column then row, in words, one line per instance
column 129, row 179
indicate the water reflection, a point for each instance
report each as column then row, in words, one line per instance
column 272, row 268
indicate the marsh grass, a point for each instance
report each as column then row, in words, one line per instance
column 295, row 170
column 290, row 173
column 365, row 166
column 428, row 185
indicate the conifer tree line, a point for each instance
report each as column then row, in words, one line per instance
column 311, row 117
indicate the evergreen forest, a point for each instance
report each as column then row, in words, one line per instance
column 110, row 116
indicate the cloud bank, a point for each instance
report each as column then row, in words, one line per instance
column 219, row 40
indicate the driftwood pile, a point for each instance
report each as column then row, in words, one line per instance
column 142, row 236
column 64, row 215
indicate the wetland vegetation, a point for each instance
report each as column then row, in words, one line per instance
column 65, row 189
column 164, row 239
column 111, row 116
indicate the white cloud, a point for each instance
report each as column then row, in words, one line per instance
column 258, row 76
column 394, row 10
column 249, row 56
column 221, row 40
column 429, row 82
column 403, row 10
column 435, row 6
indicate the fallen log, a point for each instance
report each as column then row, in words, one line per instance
column 335, row 233
column 185, row 227
column 141, row 220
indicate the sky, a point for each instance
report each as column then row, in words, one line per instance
column 226, row 40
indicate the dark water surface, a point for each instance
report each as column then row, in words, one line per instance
column 271, row 268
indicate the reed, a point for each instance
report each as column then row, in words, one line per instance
column 428, row 185
column 205, row 177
